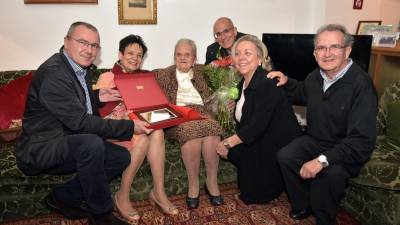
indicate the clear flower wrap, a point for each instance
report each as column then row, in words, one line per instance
column 222, row 79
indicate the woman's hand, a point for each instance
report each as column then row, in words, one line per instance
column 222, row 150
column 109, row 95
column 231, row 105
column 224, row 146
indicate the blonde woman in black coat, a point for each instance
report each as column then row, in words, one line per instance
column 265, row 123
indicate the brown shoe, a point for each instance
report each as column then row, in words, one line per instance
column 69, row 212
column 105, row 219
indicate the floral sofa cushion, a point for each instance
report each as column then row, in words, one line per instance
column 374, row 196
column 393, row 128
column 383, row 169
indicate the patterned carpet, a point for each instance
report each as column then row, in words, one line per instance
column 232, row 212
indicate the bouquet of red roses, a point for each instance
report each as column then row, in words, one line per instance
column 222, row 80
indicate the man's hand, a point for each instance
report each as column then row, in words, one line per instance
column 310, row 169
column 140, row 127
column 109, row 95
column 222, row 150
column 282, row 79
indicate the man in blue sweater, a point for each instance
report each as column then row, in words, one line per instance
column 341, row 109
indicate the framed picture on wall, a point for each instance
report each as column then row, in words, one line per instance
column 357, row 4
column 363, row 27
column 137, row 11
column 59, row 1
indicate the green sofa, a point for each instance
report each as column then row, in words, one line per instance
column 21, row 196
column 374, row 196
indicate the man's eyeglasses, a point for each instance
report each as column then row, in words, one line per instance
column 85, row 43
column 224, row 32
column 332, row 48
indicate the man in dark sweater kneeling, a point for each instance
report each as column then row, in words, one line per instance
column 341, row 114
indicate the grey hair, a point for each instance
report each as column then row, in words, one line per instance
column 262, row 51
column 80, row 23
column 189, row 42
column 347, row 38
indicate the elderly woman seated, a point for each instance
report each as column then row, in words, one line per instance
column 184, row 84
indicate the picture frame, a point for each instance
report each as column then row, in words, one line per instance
column 59, row 1
column 137, row 11
column 357, row 4
column 363, row 26
column 385, row 40
column 157, row 115
column 380, row 29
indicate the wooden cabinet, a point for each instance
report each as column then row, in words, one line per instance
column 385, row 66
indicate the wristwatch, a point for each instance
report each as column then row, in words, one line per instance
column 323, row 160
column 227, row 145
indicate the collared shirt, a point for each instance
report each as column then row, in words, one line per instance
column 187, row 93
column 81, row 74
column 328, row 82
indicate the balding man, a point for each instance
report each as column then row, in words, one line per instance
column 225, row 34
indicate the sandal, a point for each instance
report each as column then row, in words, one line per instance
column 171, row 210
column 131, row 216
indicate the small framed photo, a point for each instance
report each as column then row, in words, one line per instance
column 363, row 27
column 158, row 115
column 357, row 4
column 385, row 40
column 137, row 11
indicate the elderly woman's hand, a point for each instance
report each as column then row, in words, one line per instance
column 231, row 105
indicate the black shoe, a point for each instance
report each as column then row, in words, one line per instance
column 105, row 219
column 69, row 212
column 214, row 200
column 300, row 214
column 192, row 203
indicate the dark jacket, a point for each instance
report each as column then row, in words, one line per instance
column 55, row 107
column 343, row 117
column 212, row 50
column 267, row 115
column 268, row 123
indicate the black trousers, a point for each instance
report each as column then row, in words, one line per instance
column 95, row 163
column 258, row 175
column 323, row 193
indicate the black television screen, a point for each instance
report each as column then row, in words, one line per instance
column 292, row 54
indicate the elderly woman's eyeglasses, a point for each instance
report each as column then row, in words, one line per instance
column 224, row 32
column 332, row 48
column 85, row 43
